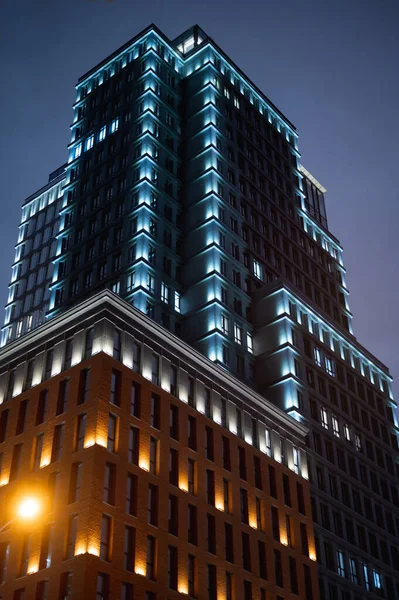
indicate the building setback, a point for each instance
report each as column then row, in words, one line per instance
column 184, row 193
column 165, row 474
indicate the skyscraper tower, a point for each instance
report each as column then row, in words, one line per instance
column 184, row 193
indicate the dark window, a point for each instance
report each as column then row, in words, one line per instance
column 135, row 404
column 192, row 524
column 153, row 505
column 272, row 482
column 23, row 409
column 109, row 483
column 286, row 488
column 229, row 542
column 226, row 453
column 192, row 433
column 211, row 524
column 172, row 567
column 129, row 548
column 258, row 473
column 102, row 586
column 75, row 482
column 3, row 425
column 293, row 575
column 262, row 559
column 115, row 393
column 275, row 523
column 42, row 407
column 155, row 410
column 174, row 422
column 209, row 443
column 173, row 514
column 105, row 542
column 62, row 400
column 244, row 505
column 278, row 568
column 173, row 466
column 84, row 385
column 212, row 583
column 58, row 440
column 242, row 463
column 131, row 494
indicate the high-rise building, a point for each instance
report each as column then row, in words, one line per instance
column 184, row 193
column 165, row 475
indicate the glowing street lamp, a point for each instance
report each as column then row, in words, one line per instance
column 27, row 510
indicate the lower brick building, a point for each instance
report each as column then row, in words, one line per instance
column 164, row 476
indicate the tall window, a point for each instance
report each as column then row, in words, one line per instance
column 129, row 546
column 172, row 567
column 58, row 440
column 84, row 385
column 134, row 440
column 150, row 561
column 135, row 405
column 62, row 400
column 23, row 408
column 42, row 407
column 164, row 293
column 105, row 543
column 154, row 455
column 192, row 525
column 75, row 482
column 80, row 432
column 38, row 447
column 25, row 554
column 131, row 494
column 71, row 536
column 155, row 410
column 112, row 433
column 109, row 483
column 192, row 575
column 152, row 508
column 115, row 395
column 46, row 547
column 102, row 586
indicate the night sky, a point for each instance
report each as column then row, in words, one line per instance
column 330, row 67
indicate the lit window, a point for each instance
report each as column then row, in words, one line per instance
column 358, row 443
column 114, row 125
column 116, row 287
column 164, row 293
column 78, row 150
column 226, row 93
column 317, row 356
column 250, row 347
column 377, row 579
column 225, row 324
column 177, row 302
column 151, row 283
column 130, row 282
column 330, row 366
column 237, row 334
column 335, row 425
column 353, row 570
column 257, row 270
column 296, row 459
column 340, row 563
column 347, row 433
column 366, row 577
column 236, row 102
column 324, row 418
column 89, row 142
column 102, row 134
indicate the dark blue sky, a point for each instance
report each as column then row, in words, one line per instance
column 331, row 67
